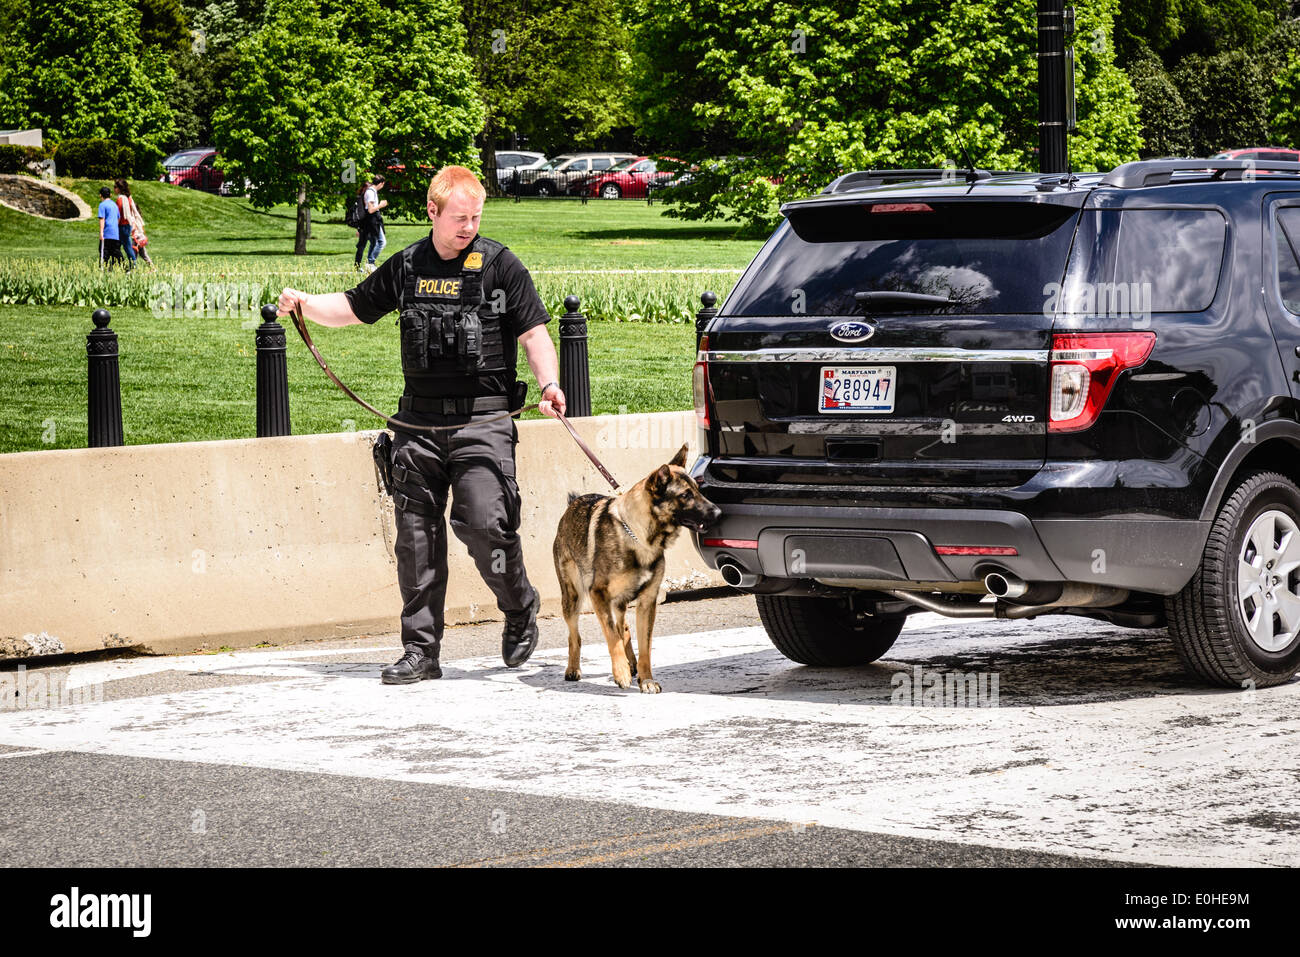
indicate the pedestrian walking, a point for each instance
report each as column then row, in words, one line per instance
column 371, row 230
column 125, row 223
column 464, row 301
column 110, row 245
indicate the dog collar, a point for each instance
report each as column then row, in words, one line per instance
column 613, row 507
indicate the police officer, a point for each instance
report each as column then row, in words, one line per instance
column 463, row 301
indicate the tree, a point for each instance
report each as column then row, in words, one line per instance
column 1285, row 104
column 1220, row 61
column 554, row 72
column 204, row 65
column 427, row 109
column 300, row 114
column 1174, row 29
column 163, row 25
column 1227, row 98
column 77, row 68
column 801, row 93
column 1166, row 123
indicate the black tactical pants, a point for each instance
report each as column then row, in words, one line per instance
column 477, row 464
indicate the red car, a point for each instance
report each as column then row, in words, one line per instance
column 631, row 178
column 1261, row 154
column 194, row 169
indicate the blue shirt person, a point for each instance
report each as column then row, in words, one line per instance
column 110, row 243
column 108, row 212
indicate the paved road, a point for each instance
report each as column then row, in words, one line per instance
column 1071, row 743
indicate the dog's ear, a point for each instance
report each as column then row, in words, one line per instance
column 680, row 458
column 660, row 478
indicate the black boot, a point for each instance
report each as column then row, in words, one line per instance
column 411, row 667
column 520, row 635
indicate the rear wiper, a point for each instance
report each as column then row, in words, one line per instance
column 870, row 300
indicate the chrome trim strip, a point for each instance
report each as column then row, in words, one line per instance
column 869, row 355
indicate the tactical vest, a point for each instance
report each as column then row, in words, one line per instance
column 449, row 332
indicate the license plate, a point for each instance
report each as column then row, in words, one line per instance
column 857, row 389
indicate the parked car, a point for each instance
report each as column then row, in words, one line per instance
column 1013, row 395
column 194, row 169
column 631, row 178
column 1274, row 153
column 565, row 174
column 510, row 160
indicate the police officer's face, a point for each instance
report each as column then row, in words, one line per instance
column 457, row 225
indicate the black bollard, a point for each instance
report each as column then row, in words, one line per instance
column 704, row 315
column 272, row 377
column 104, row 412
column 574, row 376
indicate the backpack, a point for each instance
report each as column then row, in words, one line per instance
column 356, row 213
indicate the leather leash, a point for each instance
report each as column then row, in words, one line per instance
column 590, row 454
column 301, row 325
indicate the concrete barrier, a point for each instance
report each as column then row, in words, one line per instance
column 184, row 547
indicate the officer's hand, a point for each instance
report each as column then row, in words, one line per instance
column 552, row 402
column 288, row 299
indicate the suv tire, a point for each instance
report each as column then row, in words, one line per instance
column 1209, row 620
column 821, row 631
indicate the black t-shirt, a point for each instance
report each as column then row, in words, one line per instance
column 381, row 292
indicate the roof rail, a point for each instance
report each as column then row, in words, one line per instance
column 1160, row 172
column 878, row 177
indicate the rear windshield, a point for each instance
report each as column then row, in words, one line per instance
column 187, row 159
column 978, row 257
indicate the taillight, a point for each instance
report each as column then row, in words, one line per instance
column 700, row 384
column 1084, row 367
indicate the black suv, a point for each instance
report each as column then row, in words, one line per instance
column 1015, row 394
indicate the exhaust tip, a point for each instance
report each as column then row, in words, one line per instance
column 736, row 576
column 1004, row 585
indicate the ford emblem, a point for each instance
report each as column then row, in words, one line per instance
column 852, row 331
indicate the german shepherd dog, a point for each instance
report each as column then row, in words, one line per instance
column 612, row 548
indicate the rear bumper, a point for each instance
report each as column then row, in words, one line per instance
column 898, row 544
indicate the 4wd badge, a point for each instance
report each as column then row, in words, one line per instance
column 852, row 331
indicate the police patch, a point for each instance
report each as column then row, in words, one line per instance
column 474, row 261
column 439, row 288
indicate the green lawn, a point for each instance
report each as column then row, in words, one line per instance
column 189, row 379
column 546, row 234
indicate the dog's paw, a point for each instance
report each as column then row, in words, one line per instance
column 623, row 680
column 573, row 675
column 649, row 686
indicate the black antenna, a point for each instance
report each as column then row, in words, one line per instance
column 970, row 163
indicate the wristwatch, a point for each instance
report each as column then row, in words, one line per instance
column 547, row 386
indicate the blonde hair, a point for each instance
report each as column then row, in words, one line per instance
column 448, row 180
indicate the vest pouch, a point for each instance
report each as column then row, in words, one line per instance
column 469, row 341
column 415, row 339
column 448, row 338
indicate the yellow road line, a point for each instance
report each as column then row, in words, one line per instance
column 536, row 856
column 704, row 841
